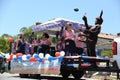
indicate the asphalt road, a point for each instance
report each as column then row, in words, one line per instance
column 8, row 76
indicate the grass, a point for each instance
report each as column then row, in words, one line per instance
column 101, row 77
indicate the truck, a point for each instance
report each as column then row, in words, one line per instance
column 2, row 62
column 64, row 65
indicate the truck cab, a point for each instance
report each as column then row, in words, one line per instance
column 116, row 50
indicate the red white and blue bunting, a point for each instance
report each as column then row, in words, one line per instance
column 35, row 57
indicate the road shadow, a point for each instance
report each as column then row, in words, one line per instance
column 56, row 78
column 49, row 78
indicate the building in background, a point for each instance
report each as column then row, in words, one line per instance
column 105, row 41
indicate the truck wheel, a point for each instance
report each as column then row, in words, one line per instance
column 77, row 74
column 64, row 72
column 36, row 76
column 23, row 75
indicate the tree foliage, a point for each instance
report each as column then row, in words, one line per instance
column 53, row 40
column 6, row 36
column 26, row 31
column 107, row 53
column 4, row 45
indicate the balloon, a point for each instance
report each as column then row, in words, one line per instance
column 18, row 54
column 14, row 57
column 62, row 53
column 47, row 56
column 8, row 59
column 10, row 40
column 19, row 58
column 28, row 56
column 11, row 56
column 24, row 57
column 43, row 60
column 50, row 58
column 57, row 54
column 40, row 59
column 60, row 58
column 35, row 56
column 32, row 59
column 41, row 55
column 7, row 56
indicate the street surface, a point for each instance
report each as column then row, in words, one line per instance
column 7, row 76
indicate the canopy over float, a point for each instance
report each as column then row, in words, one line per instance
column 56, row 25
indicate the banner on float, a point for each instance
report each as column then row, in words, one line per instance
column 27, row 67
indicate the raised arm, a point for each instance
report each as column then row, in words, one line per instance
column 85, row 21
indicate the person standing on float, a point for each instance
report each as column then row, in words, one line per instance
column 69, row 37
column 91, row 34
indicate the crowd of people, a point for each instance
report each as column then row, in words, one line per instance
column 66, row 43
column 37, row 45
column 73, row 43
column 70, row 41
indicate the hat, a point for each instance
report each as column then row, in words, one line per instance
column 69, row 23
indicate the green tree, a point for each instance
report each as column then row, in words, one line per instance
column 26, row 31
column 23, row 30
column 6, row 36
column 4, row 45
column 53, row 40
column 107, row 53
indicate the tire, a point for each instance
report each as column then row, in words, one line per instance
column 77, row 74
column 23, row 75
column 35, row 76
column 64, row 72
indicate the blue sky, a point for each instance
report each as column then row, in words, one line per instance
column 15, row 14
